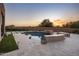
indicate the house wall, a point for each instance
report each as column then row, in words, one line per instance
column 0, row 24
column 2, row 20
column 0, row 33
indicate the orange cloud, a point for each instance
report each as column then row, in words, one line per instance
column 62, row 21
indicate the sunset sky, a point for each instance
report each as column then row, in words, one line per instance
column 30, row 14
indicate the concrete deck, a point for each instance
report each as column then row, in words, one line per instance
column 33, row 47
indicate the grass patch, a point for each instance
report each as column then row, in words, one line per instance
column 8, row 44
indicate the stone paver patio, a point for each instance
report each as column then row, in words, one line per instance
column 33, row 47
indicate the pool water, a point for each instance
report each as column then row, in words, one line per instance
column 40, row 34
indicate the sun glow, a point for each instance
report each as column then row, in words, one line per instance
column 23, row 22
column 59, row 22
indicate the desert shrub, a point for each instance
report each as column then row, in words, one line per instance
column 75, row 31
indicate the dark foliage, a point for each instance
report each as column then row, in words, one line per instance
column 46, row 23
column 72, row 25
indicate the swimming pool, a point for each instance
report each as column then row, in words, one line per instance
column 34, row 33
column 40, row 34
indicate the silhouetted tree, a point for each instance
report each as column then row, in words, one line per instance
column 46, row 23
column 10, row 27
column 72, row 25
